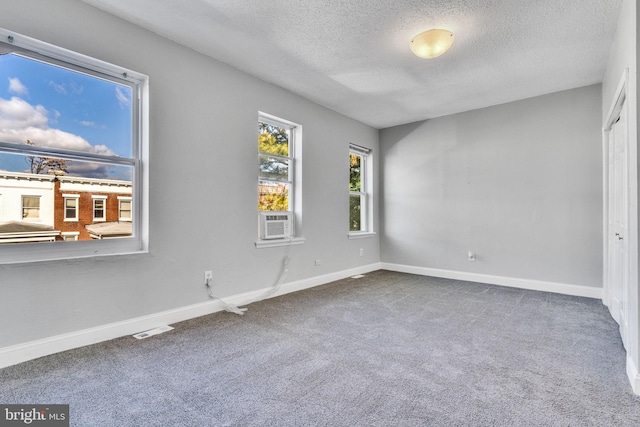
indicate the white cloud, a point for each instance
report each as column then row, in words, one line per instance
column 122, row 98
column 21, row 121
column 58, row 87
column 90, row 124
column 91, row 170
column 66, row 88
column 16, row 86
column 16, row 114
column 76, row 88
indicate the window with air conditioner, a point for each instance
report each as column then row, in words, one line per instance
column 279, row 181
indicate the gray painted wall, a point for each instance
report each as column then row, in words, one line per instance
column 520, row 184
column 624, row 56
column 203, row 185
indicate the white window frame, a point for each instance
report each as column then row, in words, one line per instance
column 103, row 199
column 295, row 181
column 125, row 199
column 139, row 83
column 75, row 197
column 365, row 193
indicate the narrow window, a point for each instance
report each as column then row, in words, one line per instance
column 279, row 182
column 360, row 215
column 124, row 208
column 71, row 207
column 275, row 164
column 99, row 208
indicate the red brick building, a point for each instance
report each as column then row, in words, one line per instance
column 86, row 208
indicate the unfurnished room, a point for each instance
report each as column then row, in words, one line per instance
column 319, row 213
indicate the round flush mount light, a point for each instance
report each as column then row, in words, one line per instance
column 432, row 43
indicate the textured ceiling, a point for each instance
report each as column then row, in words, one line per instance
column 353, row 56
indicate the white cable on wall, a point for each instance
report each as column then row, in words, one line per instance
column 232, row 308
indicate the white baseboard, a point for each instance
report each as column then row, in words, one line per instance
column 31, row 350
column 536, row 285
column 632, row 374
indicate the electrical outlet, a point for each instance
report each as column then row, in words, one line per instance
column 471, row 256
column 361, row 251
column 318, row 262
column 208, row 275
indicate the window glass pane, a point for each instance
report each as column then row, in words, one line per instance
column 69, row 124
column 30, row 207
column 273, row 196
column 21, row 206
column 273, row 139
column 125, row 209
column 273, row 167
column 70, row 208
column 355, row 212
column 98, row 208
column 49, row 106
column 31, row 202
column 56, row 167
column 355, row 169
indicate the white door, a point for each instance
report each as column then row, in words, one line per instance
column 618, row 262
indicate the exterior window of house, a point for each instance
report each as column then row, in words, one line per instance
column 71, row 207
column 66, row 116
column 124, row 208
column 99, row 208
column 360, row 190
column 30, row 207
column 279, row 181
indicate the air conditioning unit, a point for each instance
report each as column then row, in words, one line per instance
column 275, row 225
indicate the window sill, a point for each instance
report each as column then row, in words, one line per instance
column 361, row 234
column 279, row 242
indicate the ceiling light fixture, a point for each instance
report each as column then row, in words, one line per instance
column 432, row 43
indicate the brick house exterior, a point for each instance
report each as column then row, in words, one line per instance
column 63, row 208
column 82, row 202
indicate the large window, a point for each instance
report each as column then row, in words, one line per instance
column 67, row 116
column 360, row 189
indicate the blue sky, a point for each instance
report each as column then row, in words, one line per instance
column 52, row 106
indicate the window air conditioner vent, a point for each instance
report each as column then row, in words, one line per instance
column 275, row 225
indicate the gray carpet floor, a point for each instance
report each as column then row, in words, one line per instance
column 389, row 349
